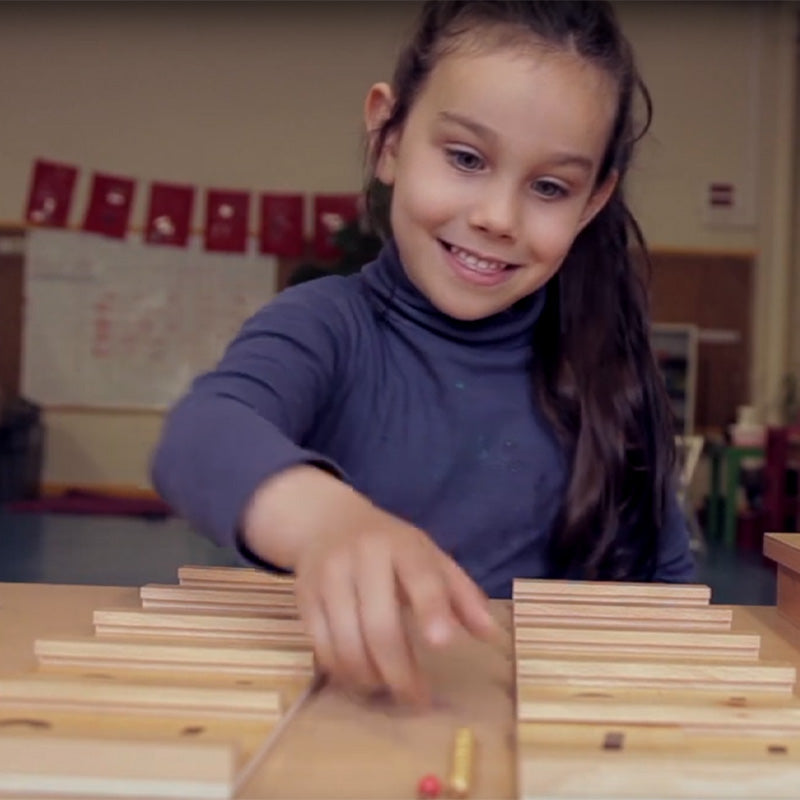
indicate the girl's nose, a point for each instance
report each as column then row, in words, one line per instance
column 495, row 212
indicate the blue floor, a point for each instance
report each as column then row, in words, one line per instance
column 126, row 551
column 112, row 551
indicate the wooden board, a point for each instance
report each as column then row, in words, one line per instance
column 784, row 550
column 614, row 593
column 532, row 640
column 214, row 627
column 277, row 604
column 650, row 715
column 234, row 577
column 607, row 615
column 116, row 768
column 88, row 652
column 207, row 706
column 534, row 740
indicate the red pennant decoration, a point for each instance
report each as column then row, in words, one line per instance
column 169, row 216
column 281, row 228
column 50, row 194
column 109, row 205
column 331, row 213
column 227, row 215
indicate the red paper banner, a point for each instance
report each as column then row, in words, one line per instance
column 331, row 213
column 109, row 205
column 169, row 215
column 281, row 224
column 50, row 194
column 227, row 216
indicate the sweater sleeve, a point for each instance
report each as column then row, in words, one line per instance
column 245, row 420
column 675, row 560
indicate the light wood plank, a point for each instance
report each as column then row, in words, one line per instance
column 276, row 604
column 89, row 651
column 234, row 577
column 534, row 640
column 89, row 767
column 783, row 549
column 117, row 696
column 657, row 674
column 698, row 717
column 615, row 593
column 570, row 761
column 584, row 615
column 147, row 622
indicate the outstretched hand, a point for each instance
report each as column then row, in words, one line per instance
column 359, row 589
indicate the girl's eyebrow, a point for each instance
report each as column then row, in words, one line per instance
column 487, row 134
column 470, row 124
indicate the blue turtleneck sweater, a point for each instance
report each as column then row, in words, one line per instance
column 430, row 417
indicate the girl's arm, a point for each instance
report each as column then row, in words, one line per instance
column 243, row 422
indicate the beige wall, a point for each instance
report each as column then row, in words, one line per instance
column 268, row 96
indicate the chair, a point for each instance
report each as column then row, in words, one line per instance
column 689, row 451
column 781, row 469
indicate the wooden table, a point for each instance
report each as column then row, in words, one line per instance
column 335, row 747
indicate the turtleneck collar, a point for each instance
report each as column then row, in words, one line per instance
column 386, row 280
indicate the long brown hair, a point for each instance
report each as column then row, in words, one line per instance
column 596, row 377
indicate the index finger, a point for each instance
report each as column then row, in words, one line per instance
column 383, row 629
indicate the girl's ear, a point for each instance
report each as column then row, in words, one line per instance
column 600, row 196
column 377, row 109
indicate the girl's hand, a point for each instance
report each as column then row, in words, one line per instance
column 362, row 582
column 363, row 576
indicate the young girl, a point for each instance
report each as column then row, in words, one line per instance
column 479, row 403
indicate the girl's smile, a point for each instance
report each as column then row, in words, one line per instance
column 477, row 268
column 493, row 173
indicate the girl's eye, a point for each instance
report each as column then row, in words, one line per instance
column 464, row 160
column 550, row 190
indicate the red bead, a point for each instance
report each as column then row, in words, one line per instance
column 429, row 786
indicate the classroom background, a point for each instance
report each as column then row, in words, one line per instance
column 260, row 98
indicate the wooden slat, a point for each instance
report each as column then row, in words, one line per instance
column 234, row 577
column 584, row 615
column 276, row 604
column 784, row 549
column 704, row 717
column 88, row 767
column 88, row 651
column 125, row 622
column 139, row 698
column 614, row 593
column 657, row 674
column 661, row 766
column 534, row 640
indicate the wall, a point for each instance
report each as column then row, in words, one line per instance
column 268, row 96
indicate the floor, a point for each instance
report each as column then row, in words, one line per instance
column 128, row 551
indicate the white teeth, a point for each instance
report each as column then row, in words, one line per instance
column 479, row 264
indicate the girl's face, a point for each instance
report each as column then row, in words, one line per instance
column 494, row 172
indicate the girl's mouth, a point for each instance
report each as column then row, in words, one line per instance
column 477, row 268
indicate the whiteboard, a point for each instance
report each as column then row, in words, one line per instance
column 121, row 324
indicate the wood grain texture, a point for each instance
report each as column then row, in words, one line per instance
column 119, row 768
column 684, row 712
column 584, row 615
column 92, row 652
column 533, row 640
column 615, row 593
column 784, row 549
column 189, row 598
column 214, row 627
column 119, row 696
column 658, row 674
column 234, row 577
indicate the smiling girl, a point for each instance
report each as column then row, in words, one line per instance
column 480, row 402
